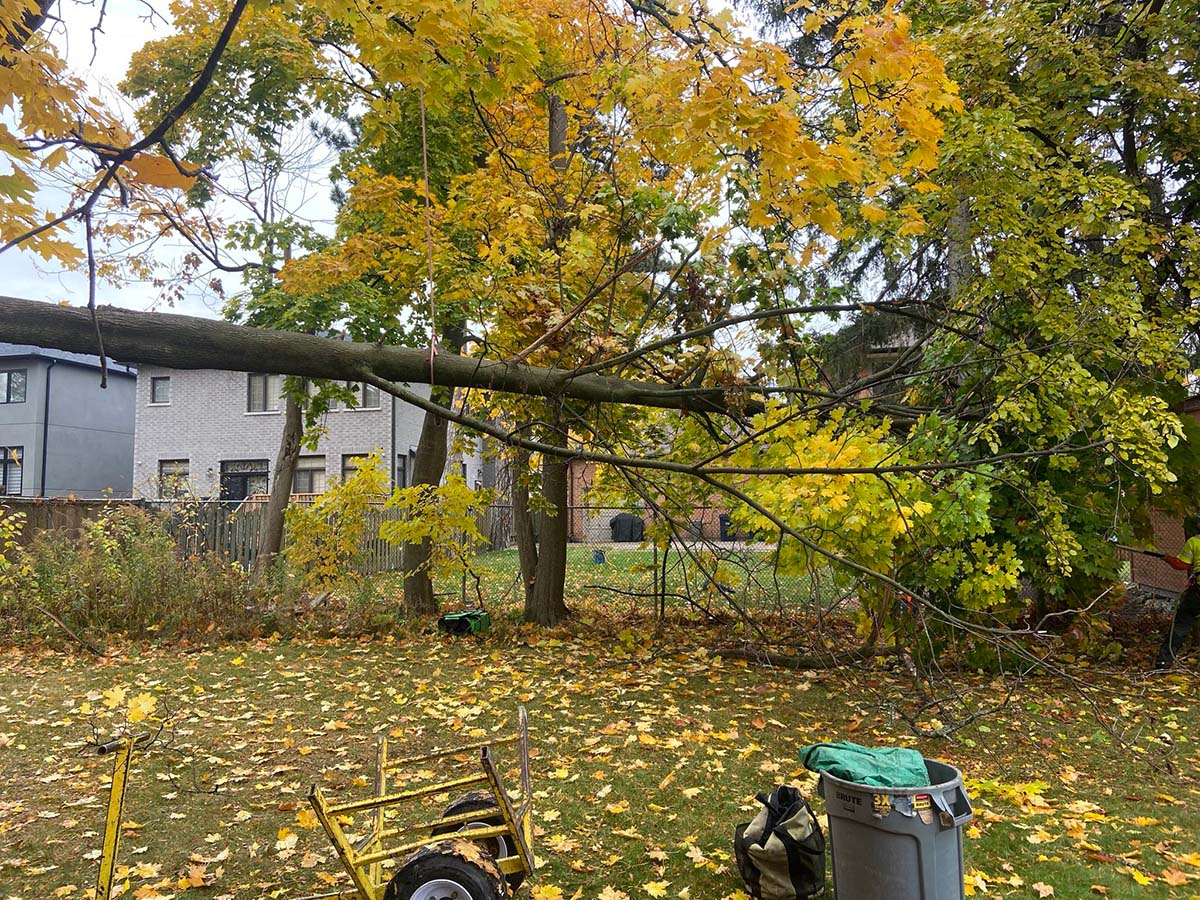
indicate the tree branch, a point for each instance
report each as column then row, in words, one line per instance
column 188, row 342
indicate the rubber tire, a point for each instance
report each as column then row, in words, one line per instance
column 436, row 862
column 478, row 801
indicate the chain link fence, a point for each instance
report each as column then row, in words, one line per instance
column 703, row 564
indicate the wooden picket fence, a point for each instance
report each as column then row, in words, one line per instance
column 233, row 530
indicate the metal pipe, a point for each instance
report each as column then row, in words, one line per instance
column 442, row 787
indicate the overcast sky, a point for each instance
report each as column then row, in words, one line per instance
column 126, row 28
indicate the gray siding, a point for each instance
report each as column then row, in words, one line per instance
column 90, row 439
column 90, row 432
column 206, row 422
column 21, row 423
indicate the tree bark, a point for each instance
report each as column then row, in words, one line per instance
column 281, row 488
column 545, row 605
column 188, row 342
column 527, row 551
column 31, row 22
column 428, row 468
column 959, row 261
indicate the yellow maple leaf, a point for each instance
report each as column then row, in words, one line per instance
column 656, row 888
column 158, row 171
column 114, row 697
column 873, row 213
column 141, row 707
column 611, row 893
column 547, row 892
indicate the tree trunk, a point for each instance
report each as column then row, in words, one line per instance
column 189, row 342
column 545, row 605
column 527, row 550
column 271, row 541
column 959, row 261
column 428, row 468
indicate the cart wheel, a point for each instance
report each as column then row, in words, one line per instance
column 480, row 802
column 451, row 870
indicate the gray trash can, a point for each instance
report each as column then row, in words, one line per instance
column 898, row 843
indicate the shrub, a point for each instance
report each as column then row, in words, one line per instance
column 124, row 575
column 446, row 515
column 324, row 541
column 14, row 565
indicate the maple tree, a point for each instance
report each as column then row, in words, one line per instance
column 621, row 187
column 1053, row 276
column 553, row 242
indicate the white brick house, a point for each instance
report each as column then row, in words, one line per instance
column 216, row 434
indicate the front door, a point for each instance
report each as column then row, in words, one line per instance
column 241, row 478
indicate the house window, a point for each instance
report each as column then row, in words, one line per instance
column 12, row 386
column 172, row 478
column 401, row 470
column 160, row 389
column 309, row 477
column 366, row 396
column 351, row 463
column 11, row 459
column 242, row 478
column 263, row 392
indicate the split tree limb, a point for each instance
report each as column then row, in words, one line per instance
column 189, row 342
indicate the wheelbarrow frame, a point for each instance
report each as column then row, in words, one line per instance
column 363, row 860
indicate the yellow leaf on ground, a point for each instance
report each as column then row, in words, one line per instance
column 141, row 706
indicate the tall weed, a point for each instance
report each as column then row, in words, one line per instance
column 124, row 575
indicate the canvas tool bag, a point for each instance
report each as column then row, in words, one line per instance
column 781, row 854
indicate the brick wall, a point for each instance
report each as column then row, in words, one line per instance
column 586, row 522
column 1154, row 573
column 206, row 422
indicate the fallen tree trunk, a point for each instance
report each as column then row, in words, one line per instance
column 189, row 342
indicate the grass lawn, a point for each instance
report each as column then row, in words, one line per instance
column 646, row 758
column 626, row 577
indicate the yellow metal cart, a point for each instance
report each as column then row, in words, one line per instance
column 479, row 848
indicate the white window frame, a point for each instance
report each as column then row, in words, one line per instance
column 273, row 394
column 359, row 389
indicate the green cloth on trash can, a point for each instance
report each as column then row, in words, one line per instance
column 890, row 767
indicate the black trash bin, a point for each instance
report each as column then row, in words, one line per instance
column 727, row 532
column 626, row 528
